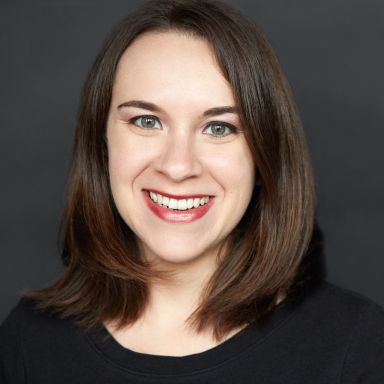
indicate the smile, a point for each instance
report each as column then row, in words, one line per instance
column 178, row 204
column 178, row 209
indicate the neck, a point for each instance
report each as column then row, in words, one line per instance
column 174, row 300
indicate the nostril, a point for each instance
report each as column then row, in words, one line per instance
column 178, row 162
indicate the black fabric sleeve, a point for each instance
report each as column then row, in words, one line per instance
column 365, row 359
column 11, row 356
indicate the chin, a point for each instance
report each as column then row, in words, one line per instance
column 182, row 255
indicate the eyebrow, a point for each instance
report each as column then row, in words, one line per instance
column 141, row 104
column 220, row 111
column 154, row 108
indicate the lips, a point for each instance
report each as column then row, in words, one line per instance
column 177, row 208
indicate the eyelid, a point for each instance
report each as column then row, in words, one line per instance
column 137, row 117
column 232, row 127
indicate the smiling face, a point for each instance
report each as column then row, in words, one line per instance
column 181, row 172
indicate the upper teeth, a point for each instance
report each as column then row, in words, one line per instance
column 180, row 204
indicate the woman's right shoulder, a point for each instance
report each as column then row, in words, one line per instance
column 11, row 351
column 25, row 312
column 13, row 323
column 27, row 319
column 24, row 328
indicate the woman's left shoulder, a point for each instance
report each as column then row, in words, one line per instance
column 349, row 302
column 362, row 322
column 344, row 306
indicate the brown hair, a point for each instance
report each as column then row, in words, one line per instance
column 105, row 278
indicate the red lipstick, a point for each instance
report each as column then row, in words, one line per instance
column 175, row 216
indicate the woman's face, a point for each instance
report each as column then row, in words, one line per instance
column 181, row 172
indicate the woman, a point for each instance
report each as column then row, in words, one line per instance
column 189, row 235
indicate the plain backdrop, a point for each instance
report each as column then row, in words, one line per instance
column 332, row 52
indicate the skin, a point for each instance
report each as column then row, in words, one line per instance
column 179, row 154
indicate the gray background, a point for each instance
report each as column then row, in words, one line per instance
column 332, row 52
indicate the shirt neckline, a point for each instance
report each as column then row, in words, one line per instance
column 148, row 364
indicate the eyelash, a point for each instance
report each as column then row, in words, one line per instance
column 136, row 118
column 231, row 127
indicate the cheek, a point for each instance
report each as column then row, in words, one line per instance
column 121, row 167
column 127, row 159
column 234, row 171
column 126, row 163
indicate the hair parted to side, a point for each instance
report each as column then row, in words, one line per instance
column 105, row 278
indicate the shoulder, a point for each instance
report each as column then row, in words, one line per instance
column 11, row 348
column 32, row 325
column 337, row 298
column 26, row 318
column 26, row 321
column 352, row 324
column 12, row 327
column 29, row 335
column 342, row 307
column 365, row 354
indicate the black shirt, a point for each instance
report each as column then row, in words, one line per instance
column 331, row 336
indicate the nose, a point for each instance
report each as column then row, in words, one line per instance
column 178, row 159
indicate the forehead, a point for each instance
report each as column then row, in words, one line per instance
column 161, row 64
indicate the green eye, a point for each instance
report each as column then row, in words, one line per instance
column 147, row 122
column 219, row 130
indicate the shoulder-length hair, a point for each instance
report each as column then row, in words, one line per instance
column 105, row 278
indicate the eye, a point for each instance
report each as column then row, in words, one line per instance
column 146, row 122
column 219, row 129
